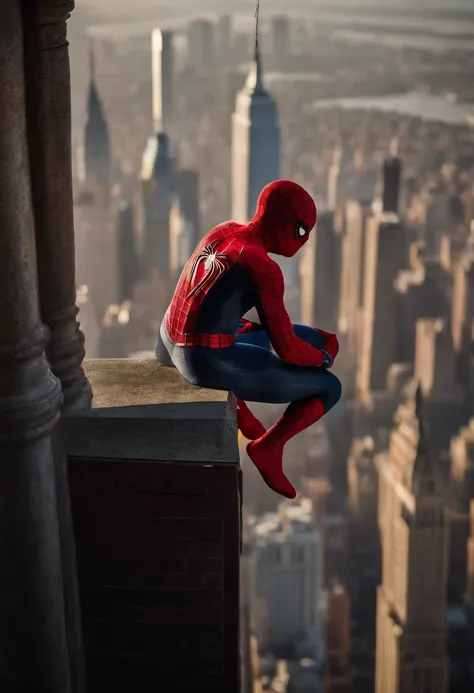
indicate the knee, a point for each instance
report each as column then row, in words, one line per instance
column 334, row 391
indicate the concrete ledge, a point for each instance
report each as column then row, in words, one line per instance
column 145, row 411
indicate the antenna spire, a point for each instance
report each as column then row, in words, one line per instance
column 257, row 27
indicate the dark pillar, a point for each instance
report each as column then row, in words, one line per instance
column 33, row 648
column 49, row 133
column 49, row 136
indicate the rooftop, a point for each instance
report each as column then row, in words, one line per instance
column 146, row 410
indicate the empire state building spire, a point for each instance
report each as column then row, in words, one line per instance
column 254, row 83
column 255, row 143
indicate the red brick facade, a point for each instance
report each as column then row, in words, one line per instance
column 158, row 562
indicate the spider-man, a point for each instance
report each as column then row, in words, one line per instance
column 204, row 335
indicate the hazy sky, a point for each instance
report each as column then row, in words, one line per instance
column 141, row 9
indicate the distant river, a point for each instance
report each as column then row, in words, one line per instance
column 435, row 43
column 425, row 106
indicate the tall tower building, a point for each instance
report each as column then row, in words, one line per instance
column 392, row 171
column 97, row 156
column 201, row 45
column 411, row 644
column 224, row 40
column 470, row 561
column 337, row 675
column 352, row 270
column 333, row 179
column 287, row 574
column 281, row 40
column 377, row 342
column 320, row 275
column 157, row 185
column 162, row 72
column 127, row 253
column 255, row 143
column 184, row 221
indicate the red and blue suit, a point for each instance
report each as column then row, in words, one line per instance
column 205, row 336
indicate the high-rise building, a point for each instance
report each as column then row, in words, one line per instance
column 411, row 601
column 384, row 258
column 352, row 271
column 281, row 40
column 224, row 41
column 363, row 498
column 187, row 189
column 392, row 171
column 97, row 253
column 162, row 71
column 157, row 186
column 461, row 491
column 127, row 252
column 255, row 143
column 470, row 561
column 333, row 180
column 202, row 45
column 184, row 221
column 462, row 305
column 97, row 168
column 337, row 674
column 287, row 573
column 320, row 275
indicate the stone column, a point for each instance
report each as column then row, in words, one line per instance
column 33, row 646
column 49, row 134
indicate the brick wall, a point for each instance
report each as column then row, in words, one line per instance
column 158, row 562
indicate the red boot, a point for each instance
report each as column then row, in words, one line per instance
column 249, row 425
column 267, row 452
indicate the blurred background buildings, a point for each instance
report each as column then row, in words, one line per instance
column 365, row 584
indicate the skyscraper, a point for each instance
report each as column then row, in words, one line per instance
column 162, row 71
column 384, row 258
column 97, row 156
column 255, row 143
column 411, row 648
column 281, row 39
column 224, row 39
column 287, row 574
column 337, row 675
column 201, row 45
column 320, row 275
column 127, row 255
column 184, row 220
column 470, row 561
column 392, row 170
column 157, row 186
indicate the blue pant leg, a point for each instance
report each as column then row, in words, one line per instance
column 256, row 375
column 258, row 338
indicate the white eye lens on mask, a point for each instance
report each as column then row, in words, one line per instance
column 301, row 229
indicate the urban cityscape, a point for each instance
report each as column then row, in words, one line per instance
column 181, row 114
column 364, row 583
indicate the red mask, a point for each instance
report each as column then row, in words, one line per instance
column 285, row 215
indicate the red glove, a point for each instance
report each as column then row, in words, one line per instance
column 332, row 345
column 248, row 326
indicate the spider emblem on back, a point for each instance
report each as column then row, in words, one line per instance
column 214, row 265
